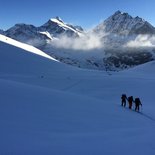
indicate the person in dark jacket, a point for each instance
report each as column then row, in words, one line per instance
column 123, row 98
column 137, row 104
column 130, row 101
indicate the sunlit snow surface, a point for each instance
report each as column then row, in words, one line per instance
column 47, row 107
column 24, row 46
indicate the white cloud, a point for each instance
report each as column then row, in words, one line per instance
column 142, row 41
column 89, row 41
column 92, row 41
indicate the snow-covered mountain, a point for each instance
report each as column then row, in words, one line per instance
column 57, row 27
column 115, row 35
column 121, row 30
column 39, row 36
column 27, row 34
column 123, row 24
column 119, row 42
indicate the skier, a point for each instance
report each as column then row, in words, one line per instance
column 123, row 97
column 130, row 100
column 137, row 104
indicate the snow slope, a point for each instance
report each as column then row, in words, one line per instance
column 59, row 22
column 24, row 46
column 50, row 108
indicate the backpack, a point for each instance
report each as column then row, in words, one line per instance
column 130, row 99
column 137, row 101
column 123, row 96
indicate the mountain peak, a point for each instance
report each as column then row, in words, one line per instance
column 57, row 20
column 117, row 12
column 122, row 23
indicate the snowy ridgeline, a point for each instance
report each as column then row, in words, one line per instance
column 47, row 107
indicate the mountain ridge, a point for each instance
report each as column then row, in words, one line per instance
column 112, row 36
column 124, row 24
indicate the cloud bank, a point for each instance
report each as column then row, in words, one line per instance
column 85, row 42
column 93, row 41
column 142, row 41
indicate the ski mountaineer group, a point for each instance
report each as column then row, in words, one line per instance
column 130, row 100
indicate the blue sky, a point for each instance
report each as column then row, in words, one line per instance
column 86, row 13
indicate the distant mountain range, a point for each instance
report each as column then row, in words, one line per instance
column 110, row 41
column 39, row 35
